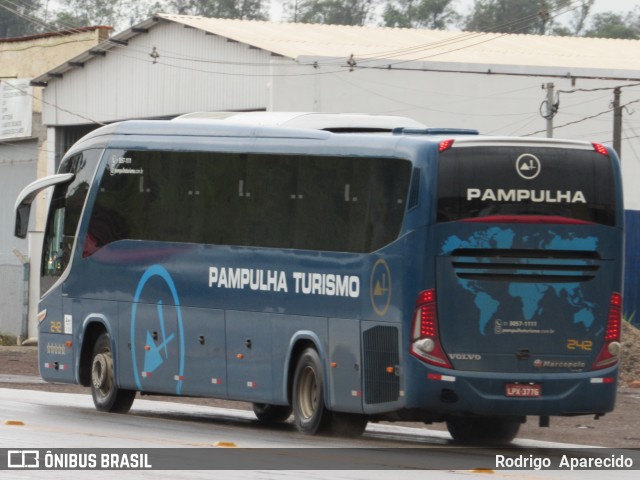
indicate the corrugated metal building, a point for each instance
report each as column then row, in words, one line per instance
column 23, row 144
column 170, row 65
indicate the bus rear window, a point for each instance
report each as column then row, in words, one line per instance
column 495, row 181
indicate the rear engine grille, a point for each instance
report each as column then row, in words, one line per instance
column 380, row 348
column 525, row 266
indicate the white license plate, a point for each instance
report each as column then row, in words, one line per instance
column 523, row 390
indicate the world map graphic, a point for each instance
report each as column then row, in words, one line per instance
column 531, row 294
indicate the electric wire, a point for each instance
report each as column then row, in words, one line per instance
column 583, row 119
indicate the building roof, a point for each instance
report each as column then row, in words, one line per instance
column 59, row 33
column 294, row 40
column 406, row 48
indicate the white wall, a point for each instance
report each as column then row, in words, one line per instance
column 126, row 84
column 17, row 169
column 494, row 104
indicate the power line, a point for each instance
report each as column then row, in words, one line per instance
column 584, row 118
column 383, row 55
column 55, row 106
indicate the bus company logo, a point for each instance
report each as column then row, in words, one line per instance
column 528, row 166
column 380, row 287
column 572, row 364
column 165, row 346
column 465, row 356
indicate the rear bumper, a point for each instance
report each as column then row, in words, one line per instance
column 477, row 393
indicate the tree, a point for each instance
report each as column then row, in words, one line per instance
column 615, row 25
column 514, row 16
column 433, row 14
column 84, row 13
column 580, row 16
column 240, row 9
column 331, row 12
column 15, row 18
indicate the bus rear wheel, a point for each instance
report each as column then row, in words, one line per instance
column 483, row 430
column 271, row 414
column 309, row 411
column 107, row 397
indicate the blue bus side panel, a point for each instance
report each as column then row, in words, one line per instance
column 52, row 342
column 632, row 267
column 249, row 369
column 345, row 365
column 205, row 352
column 55, row 359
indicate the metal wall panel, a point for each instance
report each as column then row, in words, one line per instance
column 193, row 71
column 631, row 299
column 17, row 169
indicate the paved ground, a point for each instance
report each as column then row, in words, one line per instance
column 619, row 429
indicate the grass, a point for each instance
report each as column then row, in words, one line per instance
column 8, row 340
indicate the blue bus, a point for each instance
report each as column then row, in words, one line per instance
column 425, row 275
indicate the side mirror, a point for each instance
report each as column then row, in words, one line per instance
column 22, row 220
column 27, row 196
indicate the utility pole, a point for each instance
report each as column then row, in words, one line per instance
column 550, row 112
column 551, row 109
column 617, row 122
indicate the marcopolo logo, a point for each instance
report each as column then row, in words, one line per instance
column 528, row 166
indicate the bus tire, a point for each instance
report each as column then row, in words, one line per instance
column 309, row 411
column 348, row 424
column 271, row 414
column 483, row 430
column 107, row 397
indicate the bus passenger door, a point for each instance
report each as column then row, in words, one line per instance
column 249, row 356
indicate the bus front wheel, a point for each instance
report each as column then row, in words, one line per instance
column 483, row 430
column 309, row 411
column 107, row 397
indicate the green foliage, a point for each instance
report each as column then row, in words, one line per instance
column 432, row 14
column 14, row 18
column 8, row 340
column 330, row 12
column 514, row 16
column 119, row 14
column 615, row 25
column 240, row 9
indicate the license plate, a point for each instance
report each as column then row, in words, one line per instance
column 523, row 390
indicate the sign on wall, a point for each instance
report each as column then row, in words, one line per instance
column 17, row 108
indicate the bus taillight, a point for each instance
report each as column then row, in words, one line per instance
column 425, row 340
column 610, row 351
column 445, row 145
column 601, row 149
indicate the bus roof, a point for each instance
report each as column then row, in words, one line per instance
column 334, row 122
column 280, row 128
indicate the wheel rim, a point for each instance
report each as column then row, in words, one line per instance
column 308, row 393
column 102, row 374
